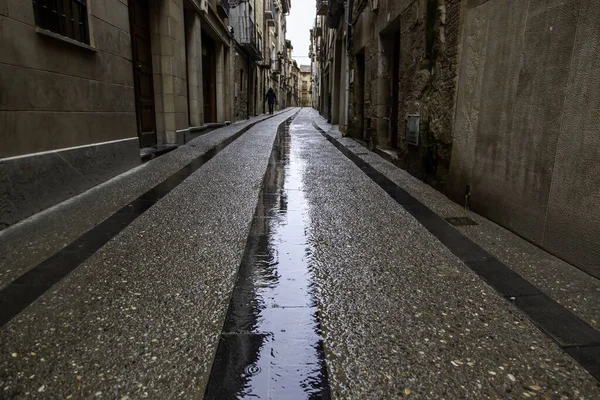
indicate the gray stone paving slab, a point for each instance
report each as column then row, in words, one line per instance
column 26, row 244
column 141, row 317
column 402, row 315
column 566, row 284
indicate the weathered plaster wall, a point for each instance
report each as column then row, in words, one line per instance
column 526, row 134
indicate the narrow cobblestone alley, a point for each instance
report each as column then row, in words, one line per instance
column 275, row 259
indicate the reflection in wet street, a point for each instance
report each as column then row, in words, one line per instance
column 271, row 346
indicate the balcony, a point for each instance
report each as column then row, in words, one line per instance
column 245, row 34
column 265, row 63
column 270, row 13
column 276, row 66
column 223, row 8
column 335, row 14
column 269, row 18
column 322, row 7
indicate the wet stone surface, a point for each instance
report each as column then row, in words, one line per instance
column 328, row 266
column 401, row 315
column 271, row 346
column 142, row 316
column 566, row 284
column 30, row 242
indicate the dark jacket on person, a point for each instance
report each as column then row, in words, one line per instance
column 270, row 97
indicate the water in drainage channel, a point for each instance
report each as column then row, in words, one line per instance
column 271, row 345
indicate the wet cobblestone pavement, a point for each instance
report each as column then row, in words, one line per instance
column 279, row 269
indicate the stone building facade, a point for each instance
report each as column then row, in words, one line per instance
column 505, row 93
column 305, row 86
column 67, row 106
column 406, row 66
column 294, row 85
column 85, row 86
column 241, row 66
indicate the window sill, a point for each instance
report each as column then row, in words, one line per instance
column 62, row 38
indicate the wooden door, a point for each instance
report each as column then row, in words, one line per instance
column 139, row 20
column 209, row 79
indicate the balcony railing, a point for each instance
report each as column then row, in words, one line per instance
column 335, row 14
column 245, row 34
column 270, row 13
column 276, row 66
column 322, row 7
column 223, row 7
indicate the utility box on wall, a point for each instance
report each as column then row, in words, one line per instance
column 412, row 129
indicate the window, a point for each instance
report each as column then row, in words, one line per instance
column 66, row 17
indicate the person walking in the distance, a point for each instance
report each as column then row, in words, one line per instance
column 271, row 98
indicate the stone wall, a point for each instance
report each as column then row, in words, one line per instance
column 55, row 94
column 240, row 79
column 169, row 68
column 305, row 89
column 526, row 133
column 67, row 110
column 428, row 32
column 428, row 85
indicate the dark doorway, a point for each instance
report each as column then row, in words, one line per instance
column 139, row 20
column 338, row 84
column 251, row 90
column 256, row 91
column 360, row 94
column 395, row 92
column 209, row 79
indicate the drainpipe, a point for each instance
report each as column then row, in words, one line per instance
column 347, row 65
column 248, row 80
column 262, row 52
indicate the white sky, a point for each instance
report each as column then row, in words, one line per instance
column 299, row 23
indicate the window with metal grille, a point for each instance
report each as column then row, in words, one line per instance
column 66, row 17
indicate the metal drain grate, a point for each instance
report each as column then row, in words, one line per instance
column 461, row 221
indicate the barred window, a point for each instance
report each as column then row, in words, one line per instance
column 65, row 17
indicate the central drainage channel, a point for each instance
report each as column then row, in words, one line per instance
column 271, row 345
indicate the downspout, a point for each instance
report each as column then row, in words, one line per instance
column 248, row 80
column 262, row 52
column 347, row 65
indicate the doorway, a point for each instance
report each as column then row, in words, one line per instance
column 209, row 79
column 360, row 94
column 395, row 92
column 139, row 20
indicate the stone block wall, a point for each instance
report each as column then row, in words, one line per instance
column 169, row 68
column 428, row 31
column 67, row 110
column 55, row 94
column 240, row 79
column 526, row 133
